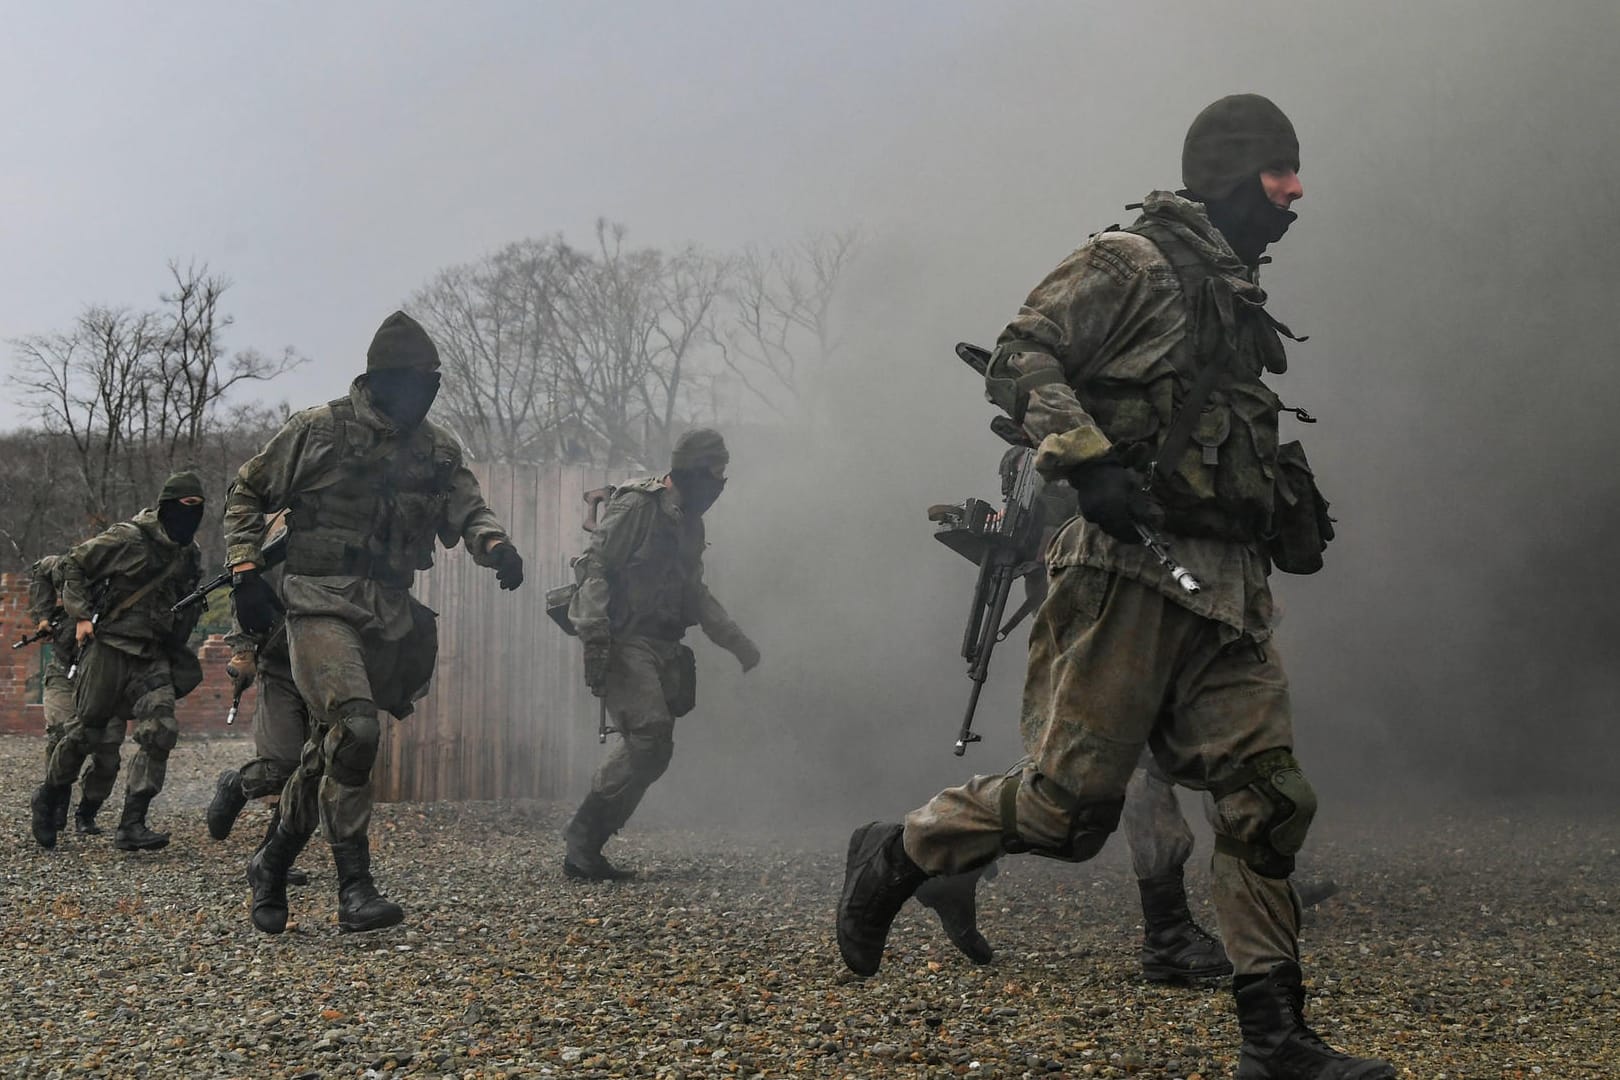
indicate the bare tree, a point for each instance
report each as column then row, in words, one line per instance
column 125, row 397
column 779, row 325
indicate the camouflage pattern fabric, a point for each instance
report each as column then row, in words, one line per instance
column 280, row 724
column 373, row 499
column 112, row 687
column 642, row 682
column 1111, row 663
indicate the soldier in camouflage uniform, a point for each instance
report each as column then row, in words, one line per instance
column 1136, row 367
column 134, row 659
column 56, row 694
column 640, row 588
column 369, row 483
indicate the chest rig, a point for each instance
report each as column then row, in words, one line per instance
column 379, row 511
column 1205, row 431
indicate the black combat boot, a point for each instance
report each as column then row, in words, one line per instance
column 878, row 878
column 49, row 803
column 84, row 818
column 1276, row 1043
column 1174, row 947
column 267, row 877
column 585, row 835
column 132, row 834
column 360, row 905
column 227, row 803
column 953, row 898
column 294, row 875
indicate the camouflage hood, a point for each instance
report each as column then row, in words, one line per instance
column 1191, row 225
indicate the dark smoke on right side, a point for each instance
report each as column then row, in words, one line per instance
column 1452, row 266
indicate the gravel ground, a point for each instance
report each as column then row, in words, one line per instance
column 1486, row 950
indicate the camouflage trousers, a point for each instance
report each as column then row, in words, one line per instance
column 280, row 730
column 334, row 670
column 1156, row 830
column 643, row 698
column 1114, row 667
column 111, row 688
column 101, row 766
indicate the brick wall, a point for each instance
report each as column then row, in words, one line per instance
column 204, row 709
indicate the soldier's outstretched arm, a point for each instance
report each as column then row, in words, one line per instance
column 42, row 590
column 468, row 518
column 719, row 627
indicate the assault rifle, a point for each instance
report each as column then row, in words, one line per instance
column 275, row 552
column 1005, row 545
column 39, row 635
column 978, row 358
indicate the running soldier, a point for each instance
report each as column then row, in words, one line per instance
column 369, row 483
column 640, row 588
column 1137, row 369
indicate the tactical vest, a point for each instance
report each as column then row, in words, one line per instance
column 153, row 610
column 1225, row 481
column 649, row 595
column 379, row 512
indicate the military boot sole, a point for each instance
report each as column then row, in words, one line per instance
column 150, row 842
column 1175, row 975
column 602, row 871
column 379, row 915
column 1308, row 1067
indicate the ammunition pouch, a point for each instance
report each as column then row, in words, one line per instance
column 1300, row 525
column 681, row 698
column 415, row 656
column 558, row 601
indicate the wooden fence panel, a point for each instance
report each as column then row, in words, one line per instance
column 507, row 714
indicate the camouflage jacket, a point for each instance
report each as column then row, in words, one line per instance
column 1111, row 318
column 642, row 573
column 366, row 503
column 45, row 588
column 101, row 574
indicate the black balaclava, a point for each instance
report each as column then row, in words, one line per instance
column 699, row 488
column 1249, row 220
column 698, row 467
column 403, row 395
column 402, row 371
column 179, row 521
column 1227, row 146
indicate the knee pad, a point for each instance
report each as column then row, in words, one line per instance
column 1277, row 778
column 354, row 743
column 157, row 734
column 1090, row 822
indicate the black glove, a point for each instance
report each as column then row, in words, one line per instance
column 1111, row 498
column 596, row 665
column 508, row 564
column 255, row 602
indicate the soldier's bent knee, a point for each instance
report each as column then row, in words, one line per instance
column 1276, row 777
column 355, row 735
column 651, row 756
column 157, row 734
column 1087, row 822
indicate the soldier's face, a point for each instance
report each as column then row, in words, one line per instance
column 699, row 488
column 1281, row 185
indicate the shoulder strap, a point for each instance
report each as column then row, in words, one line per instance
column 1191, row 273
column 145, row 590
